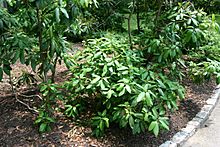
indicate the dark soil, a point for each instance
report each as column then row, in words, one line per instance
column 17, row 122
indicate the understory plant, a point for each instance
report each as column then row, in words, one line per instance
column 120, row 87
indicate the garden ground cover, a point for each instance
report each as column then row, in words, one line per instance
column 17, row 122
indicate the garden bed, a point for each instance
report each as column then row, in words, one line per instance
column 17, row 122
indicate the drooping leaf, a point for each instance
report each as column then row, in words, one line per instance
column 131, row 122
column 64, row 12
column 156, row 129
column 57, row 14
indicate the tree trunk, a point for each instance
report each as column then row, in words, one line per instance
column 138, row 17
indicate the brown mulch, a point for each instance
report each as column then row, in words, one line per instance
column 17, row 122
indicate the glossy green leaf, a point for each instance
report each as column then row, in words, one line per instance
column 95, row 80
column 57, row 14
column 148, row 99
column 122, row 92
column 156, row 129
column 163, row 124
column 131, row 122
column 128, row 88
column 152, row 125
column 64, row 12
column 43, row 127
column 140, row 97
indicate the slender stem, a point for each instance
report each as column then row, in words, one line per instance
column 43, row 53
column 54, row 69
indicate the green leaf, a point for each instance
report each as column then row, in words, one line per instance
column 161, row 91
column 164, row 125
column 22, row 58
column 101, row 126
column 152, row 125
column 96, row 118
column 116, row 115
column 173, row 102
column 69, row 108
column 122, row 92
column 161, row 84
column 43, row 88
column 110, row 92
column 43, row 127
column 140, row 97
column 120, row 87
column 7, row 69
column 218, row 79
column 148, row 99
column 97, row 55
column 155, row 113
column 195, row 22
column 45, row 93
column 106, row 122
column 50, row 119
column 75, row 82
column 38, row 120
column 105, row 69
column 180, row 94
column 146, row 115
column 95, row 80
column 64, row 12
column 128, row 88
column 17, row 55
column 131, row 122
column 156, row 129
column 57, row 14
column 188, row 36
column 122, row 68
column 136, row 128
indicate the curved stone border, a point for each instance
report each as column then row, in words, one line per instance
column 180, row 137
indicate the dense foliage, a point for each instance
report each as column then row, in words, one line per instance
column 123, row 87
column 130, row 69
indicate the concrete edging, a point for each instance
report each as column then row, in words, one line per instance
column 185, row 133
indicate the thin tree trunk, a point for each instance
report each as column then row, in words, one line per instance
column 138, row 17
column 158, row 14
column 129, row 31
column 43, row 54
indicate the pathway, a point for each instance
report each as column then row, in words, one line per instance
column 209, row 134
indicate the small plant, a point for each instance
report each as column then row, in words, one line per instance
column 120, row 87
column 100, row 123
column 50, row 95
column 44, row 121
column 205, row 70
column 73, row 110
